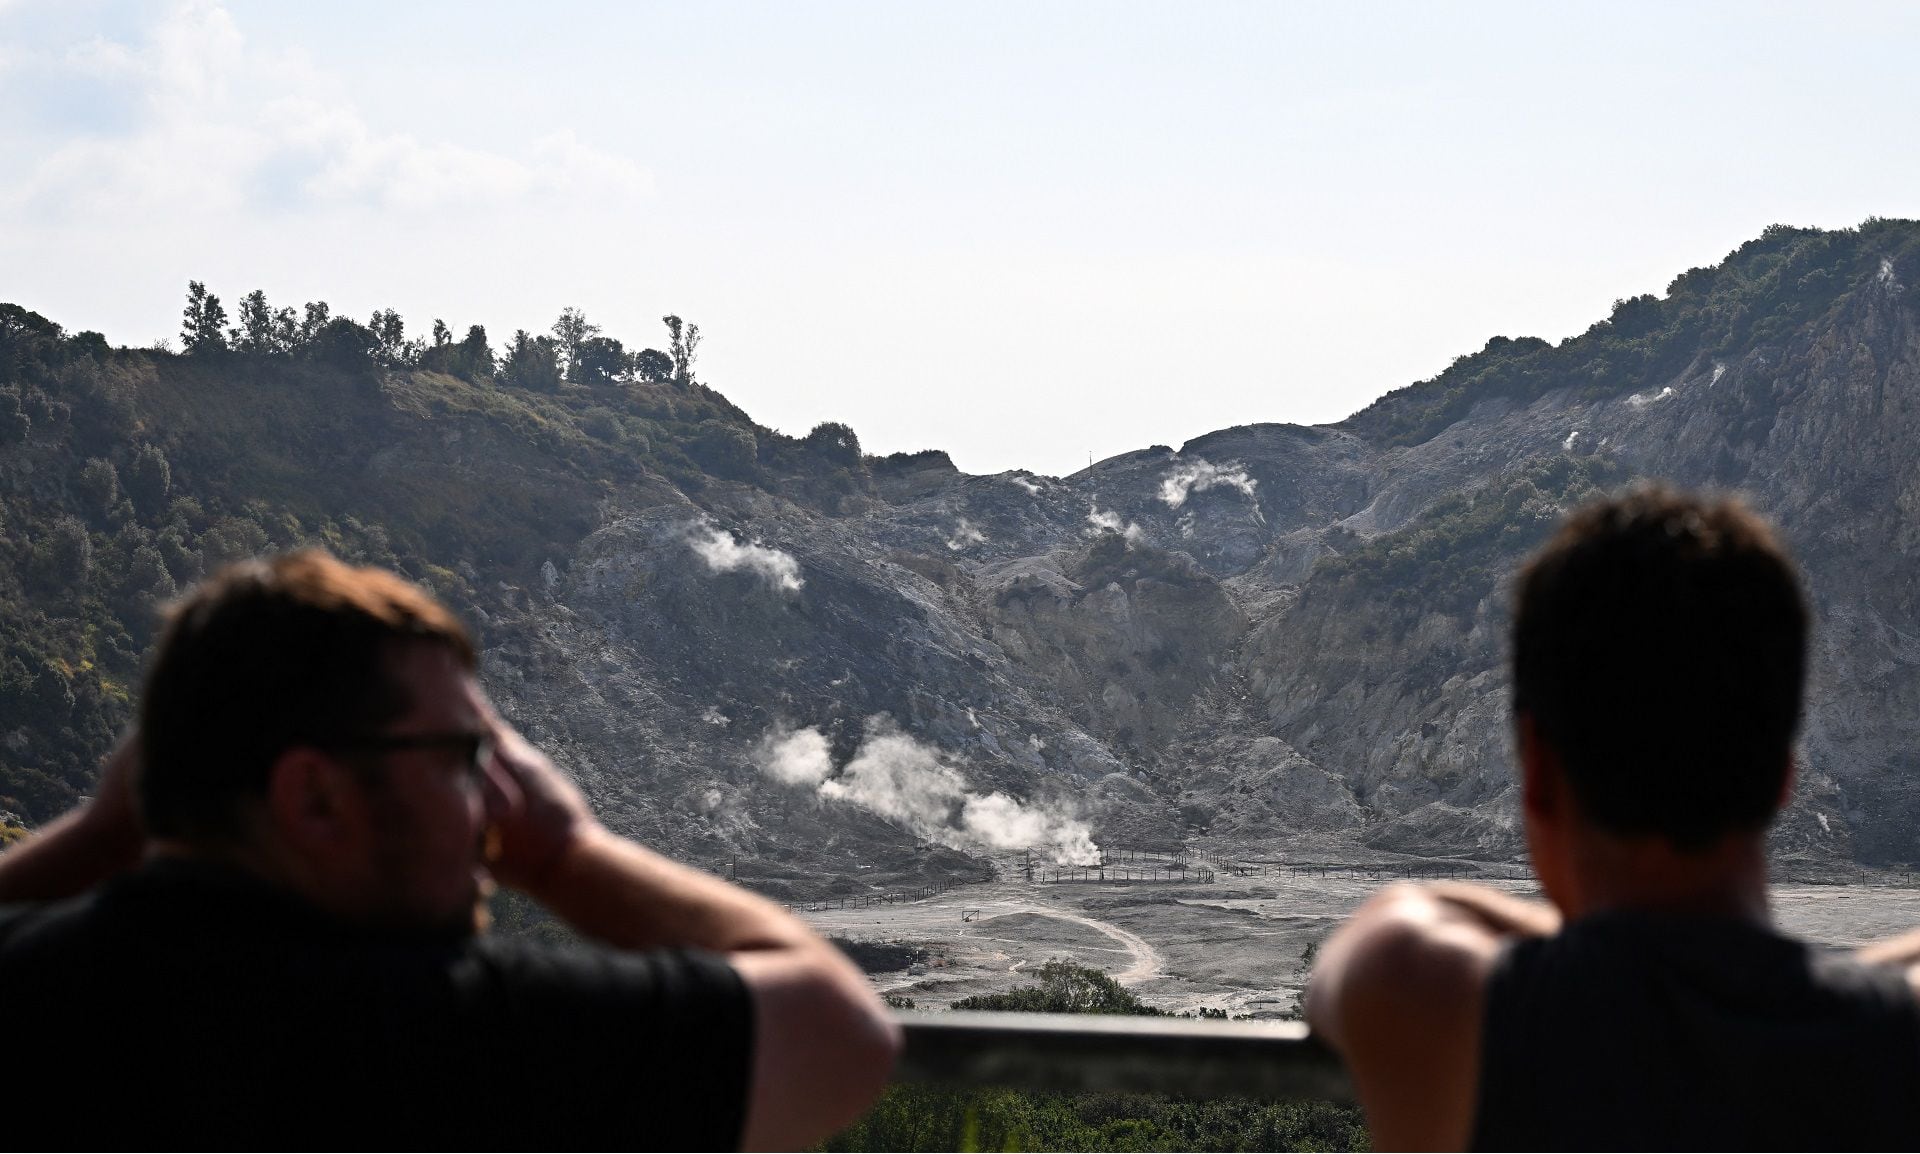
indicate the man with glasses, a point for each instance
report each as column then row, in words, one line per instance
column 271, row 932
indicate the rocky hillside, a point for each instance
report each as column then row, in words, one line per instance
column 827, row 668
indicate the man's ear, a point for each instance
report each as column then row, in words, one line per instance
column 314, row 803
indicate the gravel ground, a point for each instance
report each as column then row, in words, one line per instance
column 1233, row 945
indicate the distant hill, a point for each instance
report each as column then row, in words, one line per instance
column 834, row 667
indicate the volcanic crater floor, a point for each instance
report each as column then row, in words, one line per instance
column 1233, row 945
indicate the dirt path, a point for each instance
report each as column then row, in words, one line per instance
column 1147, row 962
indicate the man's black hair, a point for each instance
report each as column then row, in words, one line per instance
column 1659, row 646
column 264, row 656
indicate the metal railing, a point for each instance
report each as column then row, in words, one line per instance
column 1183, row 1056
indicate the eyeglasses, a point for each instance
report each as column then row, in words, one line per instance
column 474, row 749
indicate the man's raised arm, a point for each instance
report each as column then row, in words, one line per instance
column 84, row 846
column 823, row 1044
column 1398, row 992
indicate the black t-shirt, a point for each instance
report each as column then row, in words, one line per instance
column 191, row 1005
column 1632, row 1031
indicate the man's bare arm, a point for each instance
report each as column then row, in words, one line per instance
column 1902, row 951
column 823, row 1044
column 1399, row 991
column 83, row 847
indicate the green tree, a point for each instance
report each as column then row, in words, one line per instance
column 316, row 317
column 149, row 480
column 1064, row 988
column 653, row 366
column 684, row 346
column 61, row 558
column 99, row 488
column 599, row 361
column 570, row 332
column 203, row 323
column 345, row 345
column 726, row 449
column 257, row 332
column 286, row 330
column 532, row 363
column 392, row 349
column 476, row 355
column 834, row 441
column 15, row 424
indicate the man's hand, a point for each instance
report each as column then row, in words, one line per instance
column 823, row 1044
column 536, row 815
column 86, row 845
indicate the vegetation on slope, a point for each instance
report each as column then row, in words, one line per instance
column 1764, row 291
column 1448, row 559
column 127, row 474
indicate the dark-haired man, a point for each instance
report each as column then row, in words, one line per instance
column 275, row 942
column 1659, row 651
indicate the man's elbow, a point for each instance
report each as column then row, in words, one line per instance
column 865, row 1041
column 1379, row 948
column 826, row 1048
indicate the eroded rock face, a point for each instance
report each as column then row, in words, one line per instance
column 1273, row 631
column 1128, row 633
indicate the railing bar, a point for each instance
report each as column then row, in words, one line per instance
column 1088, row 1052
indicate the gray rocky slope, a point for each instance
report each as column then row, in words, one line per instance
column 1274, row 633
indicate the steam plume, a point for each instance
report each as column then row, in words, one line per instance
column 906, row 781
column 1199, row 475
column 1110, row 522
column 965, row 534
column 796, row 757
column 723, row 554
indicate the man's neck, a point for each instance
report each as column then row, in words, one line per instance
column 1726, row 879
column 246, row 858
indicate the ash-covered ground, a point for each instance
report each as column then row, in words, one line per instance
column 1234, row 944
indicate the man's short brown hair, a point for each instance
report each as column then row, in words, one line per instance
column 1660, row 648
column 268, row 655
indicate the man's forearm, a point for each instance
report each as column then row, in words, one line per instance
column 611, row 889
column 1503, row 913
column 70, row 855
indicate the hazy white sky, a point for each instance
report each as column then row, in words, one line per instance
column 1019, row 232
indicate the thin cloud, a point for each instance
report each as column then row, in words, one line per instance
column 190, row 118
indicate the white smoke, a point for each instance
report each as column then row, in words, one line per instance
column 795, row 757
column 908, row 782
column 1199, row 475
column 1641, row 400
column 723, row 554
column 965, row 534
column 1718, row 372
column 999, row 822
column 713, row 716
column 1031, row 488
column 1569, row 442
column 1110, row 522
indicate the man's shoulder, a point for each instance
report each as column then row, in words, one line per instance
column 662, row 980
column 31, row 931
